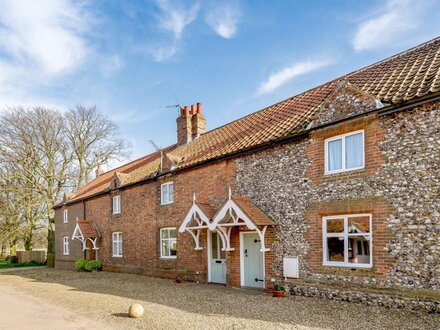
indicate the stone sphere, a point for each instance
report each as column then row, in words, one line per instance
column 136, row 310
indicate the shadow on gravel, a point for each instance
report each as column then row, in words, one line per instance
column 121, row 315
column 208, row 299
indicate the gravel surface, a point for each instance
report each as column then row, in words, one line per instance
column 105, row 297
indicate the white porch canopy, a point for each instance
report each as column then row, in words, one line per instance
column 237, row 211
column 197, row 220
column 84, row 231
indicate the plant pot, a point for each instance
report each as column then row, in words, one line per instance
column 278, row 294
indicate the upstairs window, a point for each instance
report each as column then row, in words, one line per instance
column 344, row 152
column 66, row 245
column 168, row 244
column 167, row 193
column 116, row 204
column 117, row 244
column 66, row 216
column 347, row 240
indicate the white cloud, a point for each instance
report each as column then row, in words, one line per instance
column 172, row 18
column 223, row 20
column 283, row 76
column 47, row 33
column 40, row 41
column 394, row 22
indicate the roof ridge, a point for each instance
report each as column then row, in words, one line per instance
column 403, row 52
column 331, row 81
column 294, row 96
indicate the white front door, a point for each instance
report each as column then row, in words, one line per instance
column 217, row 259
column 252, row 261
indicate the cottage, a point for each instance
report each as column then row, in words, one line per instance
column 340, row 183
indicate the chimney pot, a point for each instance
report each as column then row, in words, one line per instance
column 99, row 170
column 193, row 109
column 199, row 108
column 186, row 110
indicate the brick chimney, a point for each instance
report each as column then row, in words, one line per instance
column 99, row 170
column 198, row 121
column 190, row 124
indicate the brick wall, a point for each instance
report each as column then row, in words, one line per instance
column 142, row 216
column 62, row 229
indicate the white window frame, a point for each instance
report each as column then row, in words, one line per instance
column 162, row 200
column 116, row 202
column 117, row 237
column 343, row 137
column 169, row 240
column 346, row 235
column 66, row 216
column 66, row 245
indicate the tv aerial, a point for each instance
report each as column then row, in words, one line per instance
column 177, row 105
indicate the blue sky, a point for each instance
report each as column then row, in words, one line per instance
column 132, row 58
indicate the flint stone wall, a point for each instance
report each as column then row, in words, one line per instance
column 409, row 181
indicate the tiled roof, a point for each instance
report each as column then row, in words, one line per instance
column 257, row 216
column 208, row 209
column 88, row 229
column 406, row 76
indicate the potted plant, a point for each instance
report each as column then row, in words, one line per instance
column 278, row 290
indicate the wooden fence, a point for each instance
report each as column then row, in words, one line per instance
column 26, row 256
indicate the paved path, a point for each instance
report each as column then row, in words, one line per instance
column 22, row 311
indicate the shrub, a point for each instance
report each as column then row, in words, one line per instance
column 13, row 259
column 80, row 264
column 93, row 265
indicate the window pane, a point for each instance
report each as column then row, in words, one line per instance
column 164, row 233
column 359, row 250
column 171, row 192
column 172, row 233
column 214, row 247
column 164, row 194
column 173, row 248
column 115, row 247
column 335, row 249
column 165, row 248
column 120, row 247
column 353, row 150
column 335, row 225
column 334, row 155
column 359, row 225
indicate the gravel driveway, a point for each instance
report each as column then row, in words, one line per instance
column 105, row 297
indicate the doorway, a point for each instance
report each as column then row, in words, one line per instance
column 252, row 260
column 217, row 259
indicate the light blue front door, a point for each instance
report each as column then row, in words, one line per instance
column 217, row 260
column 252, row 257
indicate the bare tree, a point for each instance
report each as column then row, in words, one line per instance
column 44, row 153
column 94, row 140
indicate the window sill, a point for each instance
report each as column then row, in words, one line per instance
column 328, row 173
column 344, row 265
column 117, row 256
column 168, row 258
column 167, row 203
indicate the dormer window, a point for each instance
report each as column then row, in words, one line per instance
column 167, row 193
column 344, row 152
column 117, row 204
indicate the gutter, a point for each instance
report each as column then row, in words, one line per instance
column 286, row 139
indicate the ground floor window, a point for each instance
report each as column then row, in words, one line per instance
column 66, row 245
column 168, row 244
column 347, row 240
column 117, row 244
